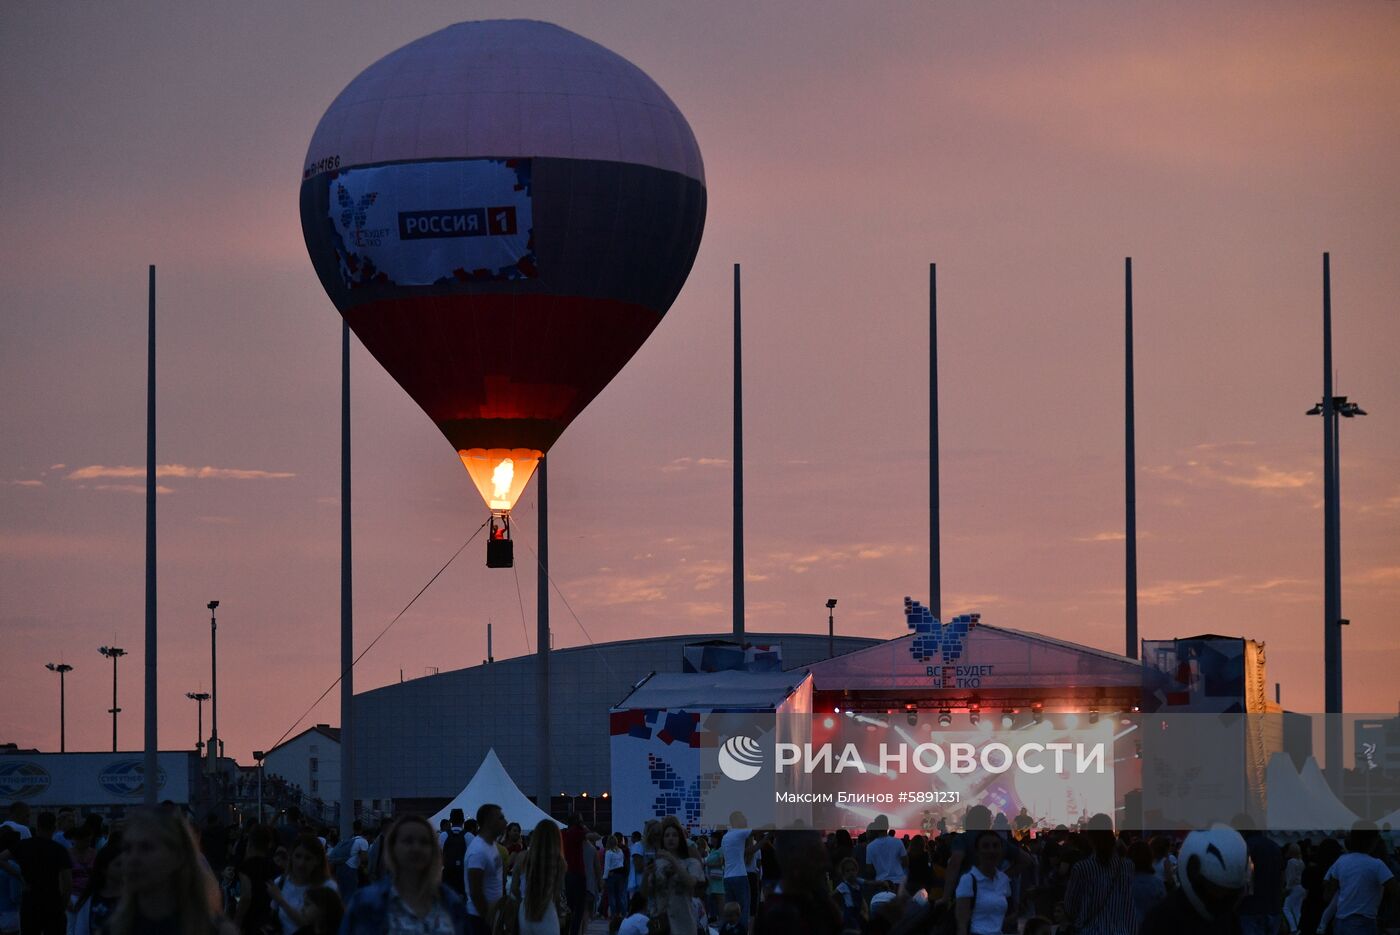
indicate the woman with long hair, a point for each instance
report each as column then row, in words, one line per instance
column 166, row 887
column 615, row 876
column 673, row 877
column 412, row 896
column 307, row 869
column 540, row 883
column 104, row 889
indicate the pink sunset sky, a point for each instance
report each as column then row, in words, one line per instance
column 1027, row 148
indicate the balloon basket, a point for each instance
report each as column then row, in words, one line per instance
column 500, row 551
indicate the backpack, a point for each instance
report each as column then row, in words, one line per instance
column 454, row 851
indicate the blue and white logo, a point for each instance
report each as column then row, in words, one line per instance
column 127, row 778
column 740, row 758
column 22, row 779
column 939, row 642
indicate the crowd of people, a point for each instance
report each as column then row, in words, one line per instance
column 154, row 873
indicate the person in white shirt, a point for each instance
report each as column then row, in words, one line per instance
column 887, row 855
column 485, row 882
column 347, row 875
column 984, row 892
column 637, row 921
column 635, row 864
column 19, row 819
column 615, row 875
column 307, row 868
column 739, row 848
column 1359, row 881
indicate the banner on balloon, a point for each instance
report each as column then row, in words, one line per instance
column 426, row 223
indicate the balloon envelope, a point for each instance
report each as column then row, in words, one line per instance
column 503, row 211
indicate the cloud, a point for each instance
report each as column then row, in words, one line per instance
column 708, row 573
column 1207, row 466
column 615, row 590
column 57, row 467
column 27, row 483
column 681, row 464
column 954, row 604
column 94, row 471
column 1103, row 537
column 130, row 488
column 1384, row 576
column 1267, row 478
column 704, row 609
column 21, row 545
column 874, row 551
column 1170, row 592
column 1388, row 505
column 1272, row 584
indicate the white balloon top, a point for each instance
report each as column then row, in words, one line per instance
column 505, row 88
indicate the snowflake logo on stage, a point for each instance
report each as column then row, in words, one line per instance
column 675, row 795
column 935, row 640
column 354, row 211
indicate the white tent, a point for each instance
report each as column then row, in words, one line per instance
column 1302, row 800
column 493, row 784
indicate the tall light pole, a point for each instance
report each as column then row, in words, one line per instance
column 1330, row 408
column 830, row 627
column 935, row 521
column 214, row 688
column 113, row 653
column 62, row 669
column 150, row 754
column 200, row 697
column 738, row 469
column 1130, row 464
column 1340, row 408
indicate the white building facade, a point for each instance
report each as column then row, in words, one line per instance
column 309, row 761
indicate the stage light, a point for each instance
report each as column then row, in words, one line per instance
column 1008, row 719
column 1093, row 715
column 945, row 718
column 1038, row 711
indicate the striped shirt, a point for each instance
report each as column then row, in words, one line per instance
column 1098, row 899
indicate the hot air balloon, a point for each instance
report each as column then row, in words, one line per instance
column 502, row 211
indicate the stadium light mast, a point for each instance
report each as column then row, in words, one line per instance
column 62, row 668
column 213, row 763
column 113, row 653
column 1330, row 408
column 830, row 627
column 200, row 697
